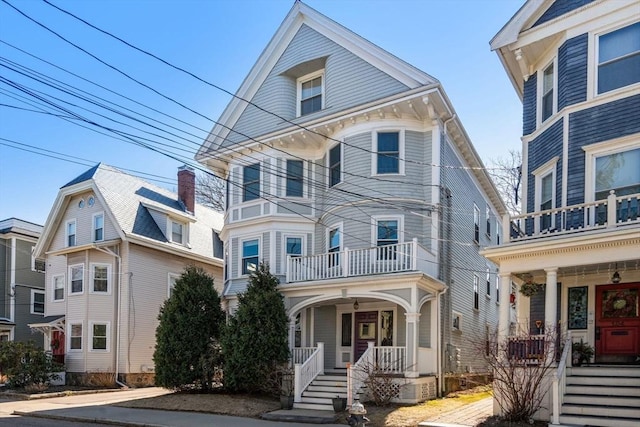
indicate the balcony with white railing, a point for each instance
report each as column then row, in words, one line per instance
column 614, row 212
column 397, row 258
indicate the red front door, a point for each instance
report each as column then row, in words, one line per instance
column 366, row 331
column 618, row 323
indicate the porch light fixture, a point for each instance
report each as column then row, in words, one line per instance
column 616, row 276
column 356, row 305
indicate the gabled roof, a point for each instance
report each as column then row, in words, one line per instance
column 128, row 202
column 299, row 15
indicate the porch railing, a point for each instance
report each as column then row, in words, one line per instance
column 528, row 350
column 390, row 360
column 301, row 354
column 400, row 257
column 306, row 372
column 560, row 380
column 615, row 211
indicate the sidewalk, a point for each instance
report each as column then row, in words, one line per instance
column 97, row 408
column 468, row 415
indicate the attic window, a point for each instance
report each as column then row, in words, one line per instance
column 178, row 232
column 310, row 93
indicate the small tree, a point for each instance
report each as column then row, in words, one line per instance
column 521, row 366
column 506, row 173
column 191, row 320
column 256, row 344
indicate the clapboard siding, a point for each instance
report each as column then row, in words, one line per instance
column 559, row 8
column 424, row 332
column 325, row 332
column 349, row 81
column 56, row 266
column 596, row 124
column 5, row 276
column 465, row 262
column 539, row 151
column 529, row 102
column 572, row 71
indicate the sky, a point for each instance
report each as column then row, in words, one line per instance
column 49, row 136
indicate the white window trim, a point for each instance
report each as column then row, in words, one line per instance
column 487, row 222
column 543, row 171
column 304, row 79
column 75, row 350
column 374, row 227
column 92, row 278
column 240, row 252
column 328, row 157
column 305, row 178
column 33, row 302
column 488, row 284
column 339, row 226
column 170, row 285
column 593, row 64
column 498, row 289
column 93, row 226
column 476, row 285
column 185, row 231
column 476, row 214
column 539, row 90
column 374, row 151
column 53, row 288
column 284, row 246
column 108, row 337
column 70, row 275
column 456, row 315
column 66, row 232
column 593, row 151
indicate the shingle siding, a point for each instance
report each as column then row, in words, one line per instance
column 529, row 102
column 559, row 8
column 539, row 151
column 572, row 71
column 597, row 124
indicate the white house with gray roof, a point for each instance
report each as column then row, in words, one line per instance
column 351, row 175
column 114, row 245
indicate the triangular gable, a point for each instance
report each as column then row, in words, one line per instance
column 299, row 16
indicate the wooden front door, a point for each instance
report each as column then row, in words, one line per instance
column 366, row 330
column 618, row 323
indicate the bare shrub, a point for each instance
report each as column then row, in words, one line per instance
column 381, row 386
column 101, row 379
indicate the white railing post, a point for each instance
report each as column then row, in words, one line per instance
column 321, row 358
column 506, row 228
column 612, row 205
column 346, row 261
column 297, row 388
column 414, row 254
column 288, row 276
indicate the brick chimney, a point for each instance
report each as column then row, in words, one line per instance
column 187, row 187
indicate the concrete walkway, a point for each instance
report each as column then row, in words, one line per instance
column 468, row 415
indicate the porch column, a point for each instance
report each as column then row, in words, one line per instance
column 292, row 335
column 413, row 324
column 550, row 305
column 505, row 306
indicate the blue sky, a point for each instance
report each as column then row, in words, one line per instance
column 218, row 40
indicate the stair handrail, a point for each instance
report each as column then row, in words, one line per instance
column 356, row 373
column 305, row 373
column 560, row 379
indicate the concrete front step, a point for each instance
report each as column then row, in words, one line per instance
column 604, row 390
column 602, row 381
column 584, row 420
column 314, row 406
column 594, row 371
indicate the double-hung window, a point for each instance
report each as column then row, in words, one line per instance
column 386, row 238
column 100, row 278
column 488, row 282
column 546, row 104
column 71, row 232
column 37, row 302
column 545, row 193
column 388, row 151
column 173, row 278
column 178, row 232
column 295, row 175
column 497, row 288
column 75, row 336
column 58, row 287
column 310, row 90
column 251, row 182
column 334, row 246
column 619, row 58
column 619, row 172
column 488, row 219
column 250, row 251
column 476, row 224
column 38, row 265
column 335, row 165
column 76, row 279
column 546, row 200
column 98, row 227
column 99, row 336
column 294, row 246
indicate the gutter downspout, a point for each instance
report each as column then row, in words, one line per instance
column 440, row 372
column 12, row 287
column 117, row 346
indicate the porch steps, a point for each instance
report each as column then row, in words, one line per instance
column 319, row 393
column 607, row 396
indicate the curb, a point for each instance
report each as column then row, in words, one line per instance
column 84, row 419
column 23, row 396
